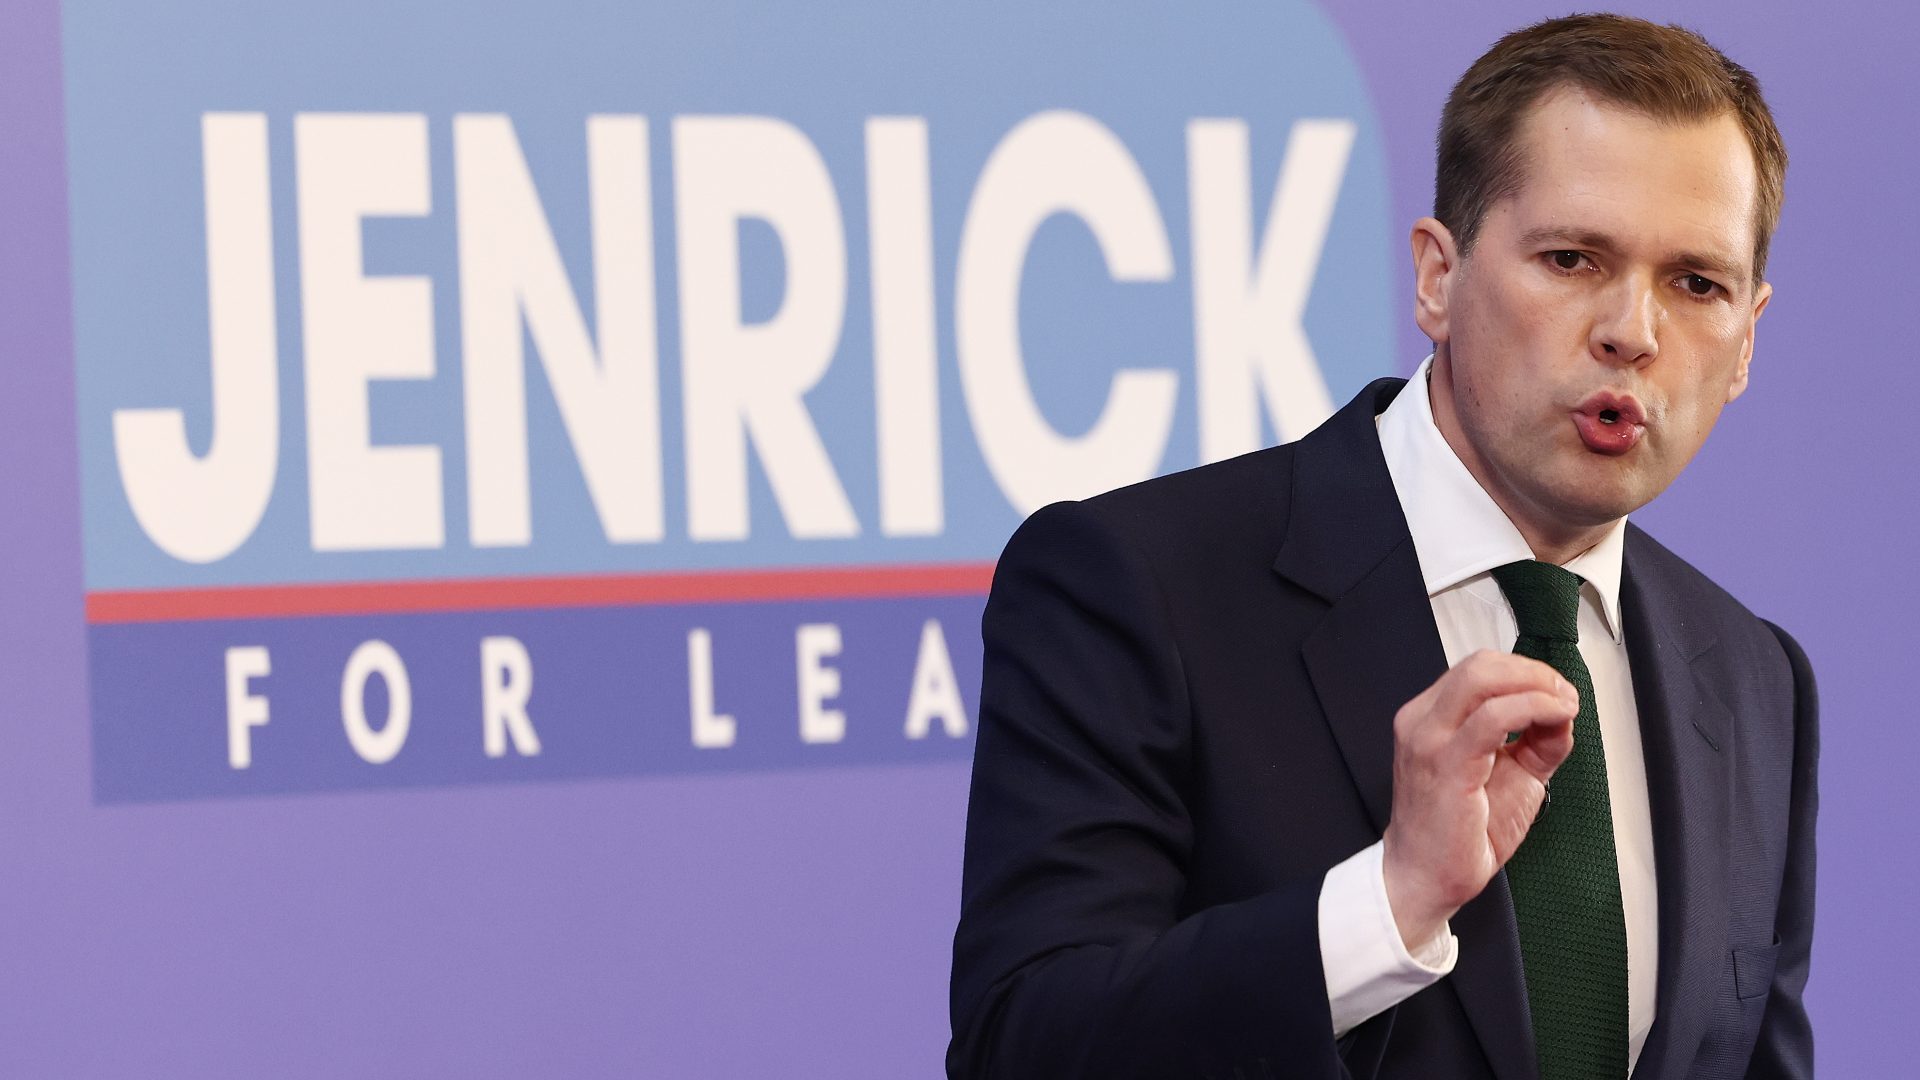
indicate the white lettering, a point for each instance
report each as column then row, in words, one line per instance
column 200, row 509
column 812, row 644
column 906, row 381
column 510, row 268
column 1053, row 163
column 506, row 684
column 372, row 658
column 741, row 381
column 711, row 730
column 358, row 328
column 936, row 693
column 245, row 710
column 1249, row 339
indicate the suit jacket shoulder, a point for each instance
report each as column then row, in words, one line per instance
column 1734, row 624
column 1239, row 504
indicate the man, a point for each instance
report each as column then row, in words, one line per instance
column 1260, row 788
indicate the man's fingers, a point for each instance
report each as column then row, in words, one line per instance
column 1514, row 797
column 1542, row 748
column 1487, row 674
column 1487, row 727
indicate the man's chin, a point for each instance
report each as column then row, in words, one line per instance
column 1591, row 505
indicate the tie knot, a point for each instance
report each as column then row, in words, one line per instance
column 1545, row 599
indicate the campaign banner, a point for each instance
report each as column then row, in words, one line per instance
column 486, row 393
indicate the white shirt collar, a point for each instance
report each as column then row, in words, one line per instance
column 1459, row 532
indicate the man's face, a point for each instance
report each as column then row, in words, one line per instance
column 1586, row 346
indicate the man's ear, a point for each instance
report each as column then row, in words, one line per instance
column 1435, row 263
column 1761, row 297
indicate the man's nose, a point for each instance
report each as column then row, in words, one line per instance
column 1626, row 329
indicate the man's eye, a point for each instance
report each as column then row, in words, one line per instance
column 1567, row 260
column 1698, row 285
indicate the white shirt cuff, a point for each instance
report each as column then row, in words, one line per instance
column 1368, row 968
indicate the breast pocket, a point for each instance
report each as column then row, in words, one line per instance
column 1753, row 969
column 1728, row 1042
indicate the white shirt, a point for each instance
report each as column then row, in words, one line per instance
column 1459, row 535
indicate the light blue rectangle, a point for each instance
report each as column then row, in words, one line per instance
column 140, row 78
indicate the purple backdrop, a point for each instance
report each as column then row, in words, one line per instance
column 797, row 923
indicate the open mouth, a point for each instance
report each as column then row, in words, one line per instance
column 1610, row 424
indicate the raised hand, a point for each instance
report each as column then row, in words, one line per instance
column 1463, row 795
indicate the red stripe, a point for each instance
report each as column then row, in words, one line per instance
column 482, row 594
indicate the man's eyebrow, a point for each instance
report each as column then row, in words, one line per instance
column 1573, row 238
column 1720, row 265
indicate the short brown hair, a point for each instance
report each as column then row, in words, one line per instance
column 1666, row 72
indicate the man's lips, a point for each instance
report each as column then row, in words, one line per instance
column 1609, row 423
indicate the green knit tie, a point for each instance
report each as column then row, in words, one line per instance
column 1565, row 877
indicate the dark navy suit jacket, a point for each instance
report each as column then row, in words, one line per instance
column 1186, row 720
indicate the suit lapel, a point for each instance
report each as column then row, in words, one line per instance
column 1685, row 730
column 1376, row 648
column 1347, row 542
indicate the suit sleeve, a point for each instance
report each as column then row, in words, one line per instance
column 1073, row 957
column 1785, row 1047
